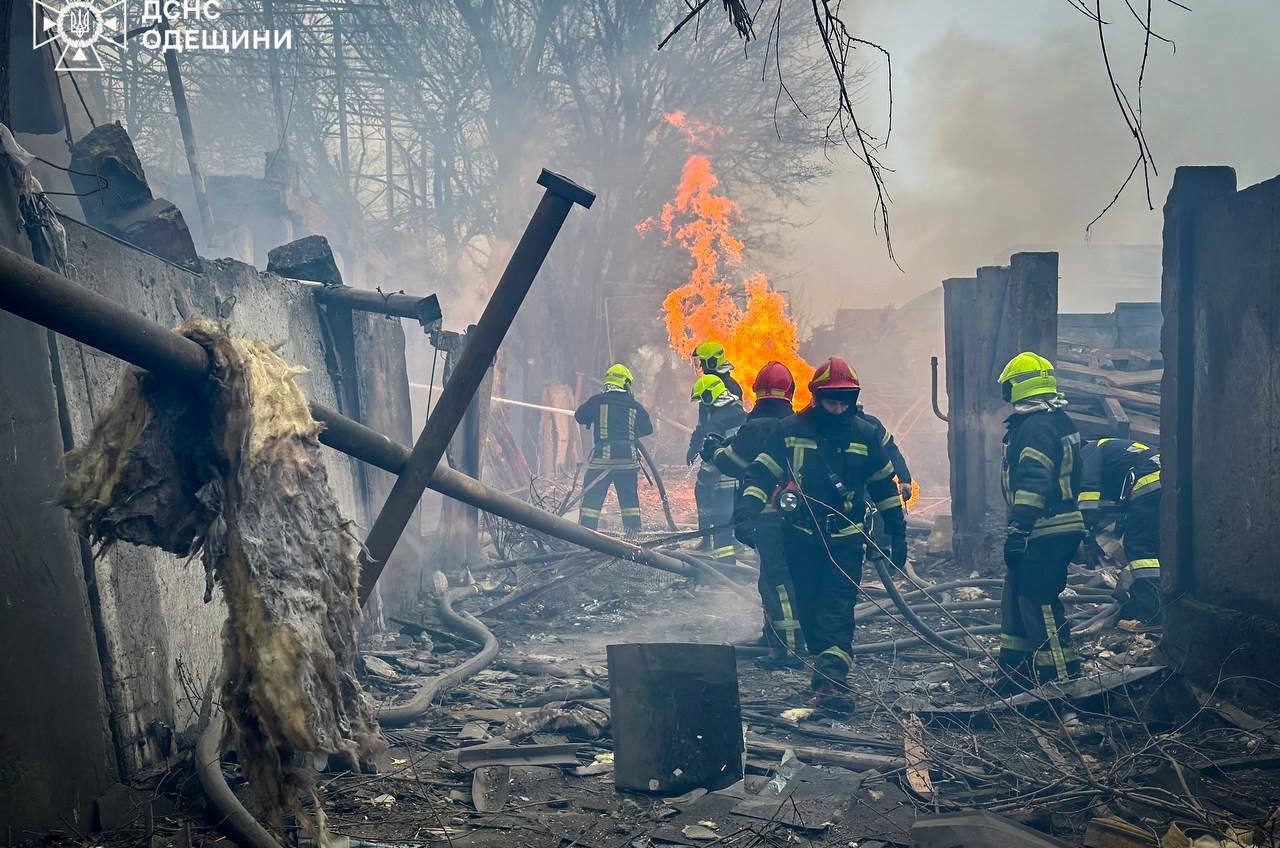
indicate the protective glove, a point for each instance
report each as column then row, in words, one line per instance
column 1015, row 547
column 691, row 455
column 746, row 532
column 904, row 489
column 710, row 445
column 898, row 551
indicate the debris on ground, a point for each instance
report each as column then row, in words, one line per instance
column 523, row 753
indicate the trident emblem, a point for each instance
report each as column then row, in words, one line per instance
column 80, row 25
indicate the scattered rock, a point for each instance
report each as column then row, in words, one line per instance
column 307, row 258
column 380, row 668
column 699, row 833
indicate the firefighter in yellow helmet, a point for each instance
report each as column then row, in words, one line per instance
column 720, row 414
column 1041, row 476
column 712, row 359
column 617, row 421
column 1121, row 484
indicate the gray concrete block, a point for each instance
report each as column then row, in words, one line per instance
column 307, row 258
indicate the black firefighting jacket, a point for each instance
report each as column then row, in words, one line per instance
column 723, row 420
column 1041, row 470
column 616, row 419
column 1114, row 469
column 730, row 382
column 890, row 446
column 733, row 456
column 837, row 463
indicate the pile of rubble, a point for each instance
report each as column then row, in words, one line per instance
column 1113, row 391
column 523, row 752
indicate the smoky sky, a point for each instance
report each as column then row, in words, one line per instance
column 1006, row 135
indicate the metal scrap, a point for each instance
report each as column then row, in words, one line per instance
column 480, row 756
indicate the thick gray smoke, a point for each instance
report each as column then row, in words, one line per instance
column 1007, row 135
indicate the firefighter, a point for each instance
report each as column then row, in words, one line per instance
column 617, row 420
column 820, row 468
column 900, row 471
column 1121, row 482
column 774, row 389
column 1041, row 475
column 711, row 358
column 719, row 416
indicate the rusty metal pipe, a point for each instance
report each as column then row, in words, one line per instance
column 937, row 410
column 424, row 310
column 41, row 296
column 482, row 345
column 45, row 297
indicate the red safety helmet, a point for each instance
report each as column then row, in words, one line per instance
column 834, row 374
column 774, row 381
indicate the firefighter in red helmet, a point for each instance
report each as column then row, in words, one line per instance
column 774, row 389
column 820, row 469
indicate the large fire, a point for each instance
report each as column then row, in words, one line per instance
column 703, row 308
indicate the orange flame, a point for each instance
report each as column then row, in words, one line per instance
column 703, row 308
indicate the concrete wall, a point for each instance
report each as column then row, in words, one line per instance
column 382, row 381
column 55, row 748
column 162, row 640
column 155, row 646
column 989, row 318
column 1221, row 443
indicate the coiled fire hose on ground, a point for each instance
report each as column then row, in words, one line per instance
column 465, row 624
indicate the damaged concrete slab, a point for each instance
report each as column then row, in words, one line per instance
column 115, row 196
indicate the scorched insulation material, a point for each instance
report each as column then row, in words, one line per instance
column 232, row 470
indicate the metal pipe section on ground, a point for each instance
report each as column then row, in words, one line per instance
column 44, row 297
column 482, row 345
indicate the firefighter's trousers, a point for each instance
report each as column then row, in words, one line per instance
column 1142, row 547
column 826, row 574
column 595, row 486
column 782, row 631
column 1035, row 636
column 714, row 493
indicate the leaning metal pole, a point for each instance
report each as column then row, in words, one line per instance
column 482, row 345
column 45, row 297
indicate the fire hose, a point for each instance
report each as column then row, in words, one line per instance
column 465, row 624
column 926, row 632
column 657, row 482
column 233, row 819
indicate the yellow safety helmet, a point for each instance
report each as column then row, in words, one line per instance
column 1027, row 375
column 707, row 388
column 711, row 355
column 618, row 375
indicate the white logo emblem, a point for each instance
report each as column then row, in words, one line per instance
column 80, row 25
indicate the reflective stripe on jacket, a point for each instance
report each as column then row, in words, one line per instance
column 616, row 420
column 814, row 454
column 1041, row 472
column 1109, row 465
